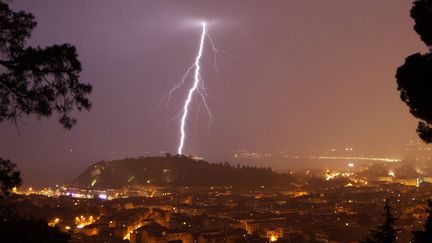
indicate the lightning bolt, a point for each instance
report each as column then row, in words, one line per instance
column 196, row 87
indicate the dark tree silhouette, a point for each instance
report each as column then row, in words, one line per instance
column 40, row 81
column 425, row 236
column 18, row 229
column 36, row 80
column 385, row 233
column 9, row 176
column 414, row 78
column 421, row 12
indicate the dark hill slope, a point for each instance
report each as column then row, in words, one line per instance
column 175, row 171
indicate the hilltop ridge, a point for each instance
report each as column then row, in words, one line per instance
column 176, row 170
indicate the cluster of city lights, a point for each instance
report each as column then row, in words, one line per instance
column 332, row 175
column 381, row 159
column 131, row 230
column 82, row 221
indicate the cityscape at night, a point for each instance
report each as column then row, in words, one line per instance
column 195, row 121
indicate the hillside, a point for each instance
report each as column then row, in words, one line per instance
column 175, row 171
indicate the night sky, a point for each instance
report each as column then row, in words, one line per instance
column 293, row 75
